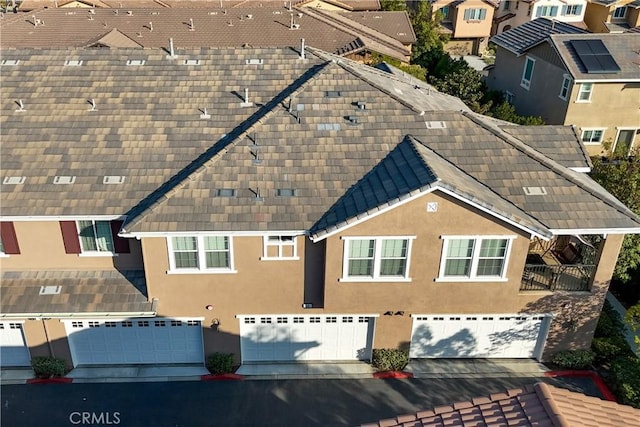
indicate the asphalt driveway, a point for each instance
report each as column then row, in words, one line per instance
column 244, row 403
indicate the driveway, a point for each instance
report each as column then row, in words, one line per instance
column 242, row 403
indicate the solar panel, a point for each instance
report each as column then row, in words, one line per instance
column 595, row 56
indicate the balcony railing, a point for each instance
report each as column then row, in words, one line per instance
column 564, row 277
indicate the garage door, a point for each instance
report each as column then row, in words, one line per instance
column 474, row 336
column 13, row 347
column 290, row 338
column 135, row 341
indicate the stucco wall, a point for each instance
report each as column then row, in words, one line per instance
column 36, row 338
column 595, row 16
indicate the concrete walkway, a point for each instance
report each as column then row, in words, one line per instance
column 271, row 371
column 476, row 368
column 622, row 311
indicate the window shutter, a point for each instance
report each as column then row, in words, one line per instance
column 539, row 12
column 483, row 14
column 120, row 245
column 564, row 10
column 70, row 237
column 9, row 240
column 467, row 14
column 579, row 9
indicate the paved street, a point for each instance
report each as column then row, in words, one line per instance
column 243, row 403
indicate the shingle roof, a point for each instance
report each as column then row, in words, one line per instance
column 318, row 126
column 212, row 27
column 523, row 37
column 109, row 291
column 534, row 405
column 394, row 24
column 622, row 47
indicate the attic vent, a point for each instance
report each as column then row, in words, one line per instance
column 535, row 191
column 328, row 126
column 64, row 179
column 286, row 192
column 14, row 180
column 436, row 125
column 136, row 62
column 50, row 290
column 11, row 62
column 226, row 192
column 332, row 94
column 73, row 63
column 191, row 62
column 254, row 62
column 113, row 179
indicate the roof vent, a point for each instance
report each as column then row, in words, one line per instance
column 226, row 192
column 362, row 105
column 73, row 63
column 254, row 62
column 328, row 126
column 353, row 120
column 205, row 114
column 436, row 125
column 191, row 26
column 92, row 101
column 113, row 179
column 155, row 13
column 246, row 102
column 14, row 180
column 191, row 62
column 20, row 105
column 212, row 13
column 50, row 290
column 64, row 179
column 136, row 62
column 10, row 62
column 535, row 191
column 286, row 192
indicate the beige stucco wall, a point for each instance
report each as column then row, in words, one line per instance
column 595, row 16
column 36, row 338
column 472, row 28
column 41, row 248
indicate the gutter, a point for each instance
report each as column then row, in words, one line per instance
column 86, row 315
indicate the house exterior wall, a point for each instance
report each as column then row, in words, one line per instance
column 465, row 28
column 528, row 11
column 50, row 342
column 597, row 15
column 42, row 248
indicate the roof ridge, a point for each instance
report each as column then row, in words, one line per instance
column 543, row 392
column 552, row 165
column 213, row 153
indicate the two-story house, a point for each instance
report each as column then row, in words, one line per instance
column 512, row 13
column 570, row 77
column 612, row 16
column 284, row 205
column 467, row 22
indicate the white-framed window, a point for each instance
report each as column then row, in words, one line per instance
column 193, row 254
column 573, row 10
column 592, row 136
column 470, row 258
column 478, row 14
column 546, row 11
column 279, row 247
column 376, row 259
column 508, row 96
column 584, row 92
column 95, row 236
column 527, row 72
column 566, row 85
column 620, row 12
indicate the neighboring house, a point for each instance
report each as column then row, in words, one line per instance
column 612, row 16
column 534, row 405
column 512, row 13
column 570, row 77
column 467, row 22
column 385, row 33
column 284, row 204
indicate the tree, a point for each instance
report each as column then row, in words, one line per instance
column 507, row 112
column 457, row 78
column 621, row 178
column 393, row 5
column 426, row 26
column 632, row 318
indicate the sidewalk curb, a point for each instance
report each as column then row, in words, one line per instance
column 608, row 395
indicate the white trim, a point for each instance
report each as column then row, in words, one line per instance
column 633, row 139
column 96, row 254
column 584, row 101
column 201, row 254
column 560, row 231
column 106, row 315
column 208, row 271
column 584, row 169
column 591, row 129
column 460, row 279
column 377, row 258
column 213, row 233
column 305, row 315
column 266, row 243
column 63, row 218
column 484, row 314
column 475, row 258
column 566, row 78
column 125, row 318
column 607, row 81
column 526, row 83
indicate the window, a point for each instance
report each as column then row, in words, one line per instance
column 573, row 10
column 200, row 254
column 566, row 85
column 474, row 258
column 584, row 94
column 279, row 247
column 445, row 11
column 507, row 5
column 546, row 11
column 619, row 12
column 475, row 14
column 527, row 73
column 95, row 236
column 376, row 259
column 592, row 136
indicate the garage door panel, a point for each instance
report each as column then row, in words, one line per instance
column 13, row 346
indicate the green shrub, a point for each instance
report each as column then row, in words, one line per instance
column 390, row 359
column 48, row 367
column 574, row 359
column 220, row 363
column 609, row 323
column 609, row 348
column 625, row 375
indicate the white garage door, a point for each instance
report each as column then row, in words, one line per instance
column 135, row 341
column 296, row 337
column 475, row 336
column 13, row 347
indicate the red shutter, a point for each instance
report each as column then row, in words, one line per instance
column 120, row 245
column 70, row 237
column 9, row 240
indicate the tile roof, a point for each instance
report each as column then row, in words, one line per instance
column 212, row 27
column 109, row 291
column 534, row 405
column 317, row 126
column 523, row 37
column 622, row 47
column 396, row 25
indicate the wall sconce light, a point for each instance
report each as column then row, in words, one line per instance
column 388, row 313
column 399, row 313
column 215, row 323
column 209, row 307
